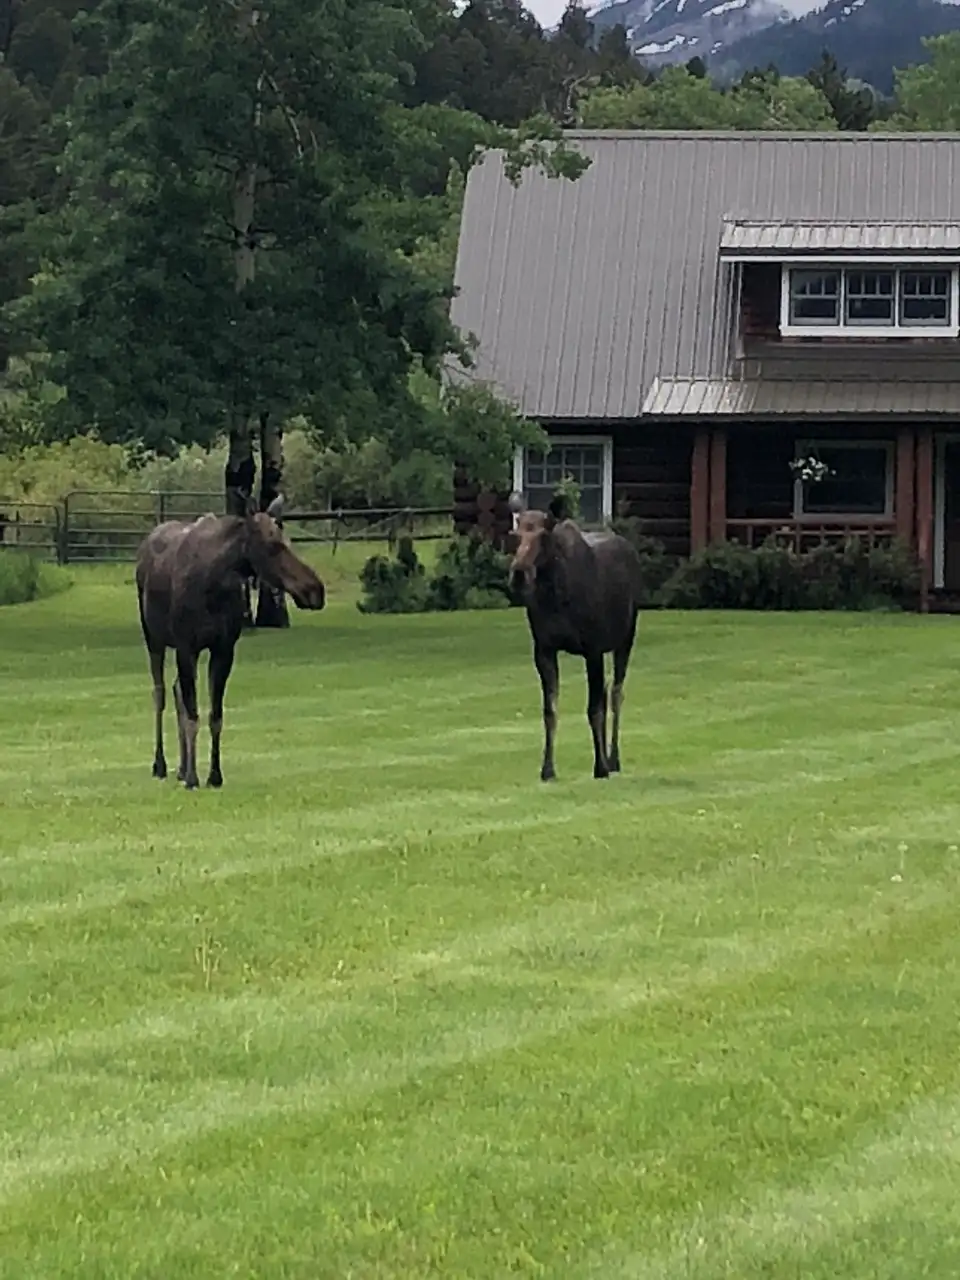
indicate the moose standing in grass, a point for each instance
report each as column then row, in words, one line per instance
column 582, row 596
column 190, row 589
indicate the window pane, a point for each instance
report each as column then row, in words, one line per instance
column 869, row 297
column 582, row 462
column 857, row 487
column 591, row 506
column 538, row 497
column 814, row 297
column 572, row 460
column 924, row 297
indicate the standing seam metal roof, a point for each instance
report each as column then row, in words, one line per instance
column 581, row 293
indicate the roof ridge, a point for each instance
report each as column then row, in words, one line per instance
column 778, row 135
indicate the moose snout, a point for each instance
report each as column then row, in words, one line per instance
column 521, row 578
column 311, row 596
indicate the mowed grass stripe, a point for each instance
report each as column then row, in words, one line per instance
column 457, row 1023
column 452, row 1041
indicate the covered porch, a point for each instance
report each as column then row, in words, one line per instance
column 890, row 452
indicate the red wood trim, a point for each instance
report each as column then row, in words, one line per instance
column 718, row 485
column 925, row 513
column 699, row 489
column 904, row 499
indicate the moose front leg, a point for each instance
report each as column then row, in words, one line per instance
column 187, row 680
column 597, row 715
column 549, row 673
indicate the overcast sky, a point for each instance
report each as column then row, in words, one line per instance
column 548, row 11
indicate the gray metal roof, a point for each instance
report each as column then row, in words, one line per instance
column 581, row 293
column 796, row 398
column 750, row 238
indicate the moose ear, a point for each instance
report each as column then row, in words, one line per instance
column 516, row 503
column 559, row 507
column 275, row 509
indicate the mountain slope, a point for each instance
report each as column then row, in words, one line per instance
column 666, row 31
column 867, row 37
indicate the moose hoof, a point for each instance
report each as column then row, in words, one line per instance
column 615, row 765
column 191, row 784
column 215, row 779
column 159, row 769
column 547, row 773
column 601, row 772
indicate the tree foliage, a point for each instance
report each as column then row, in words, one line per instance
column 928, row 95
column 681, row 99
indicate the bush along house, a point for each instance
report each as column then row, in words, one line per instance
column 732, row 335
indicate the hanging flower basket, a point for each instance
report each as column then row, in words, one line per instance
column 810, row 470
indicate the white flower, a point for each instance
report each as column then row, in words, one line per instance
column 810, row 470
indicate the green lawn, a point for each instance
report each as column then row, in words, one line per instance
column 388, row 1006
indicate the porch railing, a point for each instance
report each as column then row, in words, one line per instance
column 801, row 535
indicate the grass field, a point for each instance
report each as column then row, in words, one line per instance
column 388, row 1006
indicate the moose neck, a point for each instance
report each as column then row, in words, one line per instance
column 568, row 563
column 231, row 554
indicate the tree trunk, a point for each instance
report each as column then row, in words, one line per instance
column 239, row 477
column 241, row 468
column 271, row 603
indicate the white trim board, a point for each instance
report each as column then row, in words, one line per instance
column 843, row 330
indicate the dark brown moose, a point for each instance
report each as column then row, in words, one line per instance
column 581, row 591
column 190, row 588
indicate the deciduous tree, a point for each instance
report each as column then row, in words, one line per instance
column 229, row 251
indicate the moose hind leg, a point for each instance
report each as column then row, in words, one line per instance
column 597, row 714
column 549, row 672
column 621, row 659
column 187, row 680
column 221, row 663
column 159, row 704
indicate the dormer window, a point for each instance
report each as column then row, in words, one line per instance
column 870, row 300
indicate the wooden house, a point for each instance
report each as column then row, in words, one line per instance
column 699, row 310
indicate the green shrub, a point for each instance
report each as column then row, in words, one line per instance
column 470, row 573
column 849, row 575
column 469, row 565
column 657, row 565
column 394, row 586
column 24, row 578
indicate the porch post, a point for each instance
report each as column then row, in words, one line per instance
column 699, row 489
column 718, row 485
column 925, row 513
column 904, row 509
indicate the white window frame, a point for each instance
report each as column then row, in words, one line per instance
column 606, row 472
column 873, row 329
column 804, row 448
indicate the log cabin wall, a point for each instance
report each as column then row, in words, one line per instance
column 760, row 303
column 651, row 481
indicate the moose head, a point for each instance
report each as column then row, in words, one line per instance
column 273, row 559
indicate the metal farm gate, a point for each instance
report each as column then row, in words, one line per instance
column 97, row 526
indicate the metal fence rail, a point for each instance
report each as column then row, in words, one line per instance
column 36, row 527
column 107, row 526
